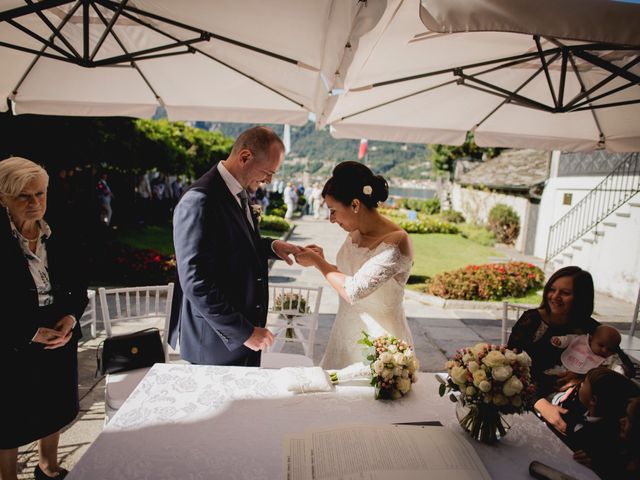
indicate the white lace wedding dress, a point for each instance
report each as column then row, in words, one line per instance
column 375, row 286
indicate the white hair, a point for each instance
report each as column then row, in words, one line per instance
column 16, row 172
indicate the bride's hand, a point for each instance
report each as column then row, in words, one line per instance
column 307, row 257
column 316, row 249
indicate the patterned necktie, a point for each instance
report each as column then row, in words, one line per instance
column 244, row 201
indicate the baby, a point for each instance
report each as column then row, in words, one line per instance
column 584, row 352
column 596, row 437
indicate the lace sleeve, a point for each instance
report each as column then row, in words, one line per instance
column 522, row 333
column 373, row 273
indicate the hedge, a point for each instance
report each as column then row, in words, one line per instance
column 504, row 221
column 430, row 206
column 452, row 216
column 274, row 223
column 428, row 225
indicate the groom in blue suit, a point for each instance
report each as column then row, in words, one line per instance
column 220, row 306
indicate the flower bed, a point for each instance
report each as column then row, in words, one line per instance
column 128, row 266
column 491, row 281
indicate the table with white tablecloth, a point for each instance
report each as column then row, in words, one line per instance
column 210, row 422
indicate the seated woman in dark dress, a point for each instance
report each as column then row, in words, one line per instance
column 42, row 297
column 567, row 305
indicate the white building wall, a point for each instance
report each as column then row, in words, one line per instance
column 476, row 205
column 612, row 256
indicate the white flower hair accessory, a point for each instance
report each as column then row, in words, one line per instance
column 367, row 190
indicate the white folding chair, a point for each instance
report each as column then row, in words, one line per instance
column 293, row 316
column 89, row 315
column 126, row 310
column 510, row 314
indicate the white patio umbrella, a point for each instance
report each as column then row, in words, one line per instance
column 518, row 73
column 223, row 60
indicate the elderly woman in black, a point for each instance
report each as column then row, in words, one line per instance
column 43, row 296
column 567, row 305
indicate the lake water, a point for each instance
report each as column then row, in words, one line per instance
column 422, row 193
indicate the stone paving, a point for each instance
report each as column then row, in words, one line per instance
column 437, row 333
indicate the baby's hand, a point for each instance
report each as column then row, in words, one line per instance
column 556, row 341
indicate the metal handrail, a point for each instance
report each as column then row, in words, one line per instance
column 609, row 195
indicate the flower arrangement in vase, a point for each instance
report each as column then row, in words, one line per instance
column 492, row 381
column 290, row 305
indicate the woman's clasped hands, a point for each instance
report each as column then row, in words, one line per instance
column 55, row 337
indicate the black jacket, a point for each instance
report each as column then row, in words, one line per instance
column 19, row 298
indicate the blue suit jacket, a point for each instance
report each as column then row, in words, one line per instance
column 222, row 276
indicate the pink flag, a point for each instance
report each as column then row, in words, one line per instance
column 363, row 149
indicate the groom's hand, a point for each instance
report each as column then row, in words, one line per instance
column 260, row 339
column 316, row 249
column 284, row 249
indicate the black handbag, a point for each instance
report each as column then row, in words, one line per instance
column 128, row 352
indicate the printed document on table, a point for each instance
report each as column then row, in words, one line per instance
column 373, row 452
column 294, row 465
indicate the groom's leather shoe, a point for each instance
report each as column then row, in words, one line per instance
column 40, row 475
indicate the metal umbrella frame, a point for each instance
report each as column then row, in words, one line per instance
column 503, row 64
column 267, row 62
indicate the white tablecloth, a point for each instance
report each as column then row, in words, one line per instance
column 204, row 422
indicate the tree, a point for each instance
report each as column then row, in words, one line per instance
column 181, row 148
column 444, row 156
column 121, row 144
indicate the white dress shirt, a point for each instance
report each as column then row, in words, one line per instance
column 235, row 188
column 37, row 262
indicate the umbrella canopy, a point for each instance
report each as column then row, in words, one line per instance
column 228, row 60
column 543, row 75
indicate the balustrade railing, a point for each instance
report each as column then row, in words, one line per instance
column 609, row 195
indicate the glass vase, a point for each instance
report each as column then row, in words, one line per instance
column 483, row 422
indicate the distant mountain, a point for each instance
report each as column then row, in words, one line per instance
column 317, row 152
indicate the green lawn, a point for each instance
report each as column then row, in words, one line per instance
column 433, row 253
column 156, row 237
column 534, row 298
column 160, row 237
column 439, row 252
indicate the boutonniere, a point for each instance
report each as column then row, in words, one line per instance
column 256, row 211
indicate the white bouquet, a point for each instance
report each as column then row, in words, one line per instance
column 393, row 365
column 492, row 380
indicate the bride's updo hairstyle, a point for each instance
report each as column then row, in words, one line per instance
column 351, row 180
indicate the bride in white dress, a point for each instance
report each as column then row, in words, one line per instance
column 372, row 268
